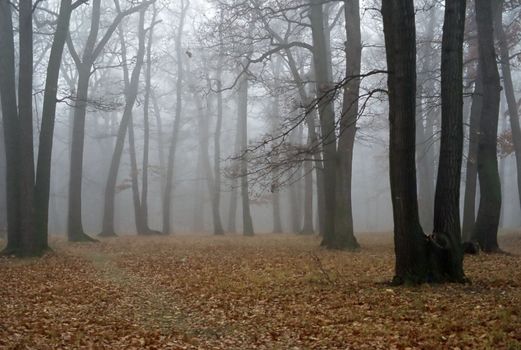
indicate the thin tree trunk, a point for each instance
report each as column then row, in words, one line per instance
column 232, row 213
column 160, row 143
column 327, row 120
column 510, row 96
column 91, row 51
column 425, row 131
column 167, row 199
column 216, row 195
column 206, row 167
column 242, row 125
column 134, row 173
column 307, row 229
column 469, row 206
column 146, row 125
column 131, row 91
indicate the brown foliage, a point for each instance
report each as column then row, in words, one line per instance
column 266, row 292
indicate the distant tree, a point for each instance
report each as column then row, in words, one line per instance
column 131, row 83
column 242, row 134
column 84, row 63
column 167, row 196
column 508, row 88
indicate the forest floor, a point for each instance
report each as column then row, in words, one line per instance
column 265, row 292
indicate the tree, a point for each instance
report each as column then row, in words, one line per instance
column 43, row 168
column 167, row 199
column 327, row 119
column 487, row 222
column 346, row 140
column 17, row 235
column 131, row 91
column 420, row 258
column 447, row 198
column 242, row 134
column 509, row 91
column 91, row 51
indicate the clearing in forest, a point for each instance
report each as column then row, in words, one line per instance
column 266, row 292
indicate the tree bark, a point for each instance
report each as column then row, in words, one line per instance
column 447, row 198
column 204, row 136
column 308, row 229
column 344, row 212
column 167, row 199
column 425, row 130
column 43, row 169
column 216, row 195
column 510, row 95
column 11, row 128
column 327, row 121
column 146, row 125
column 400, row 42
column 487, row 222
column 91, row 51
column 131, row 91
column 242, row 126
column 469, row 207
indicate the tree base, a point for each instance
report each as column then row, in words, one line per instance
column 307, row 232
column 107, row 234
column 81, row 237
column 22, row 253
column 344, row 246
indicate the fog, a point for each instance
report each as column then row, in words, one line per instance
column 233, row 41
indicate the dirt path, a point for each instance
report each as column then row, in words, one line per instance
column 154, row 309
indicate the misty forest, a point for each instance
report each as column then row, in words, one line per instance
column 272, row 174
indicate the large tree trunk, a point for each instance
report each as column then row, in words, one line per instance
column 30, row 243
column 510, row 95
column 327, row 121
column 400, row 42
column 242, row 126
column 167, row 199
column 487, row 222
column 447, row 199
column 344, row 212
column 11, row 128
column 43, row 169
column 3, row 194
